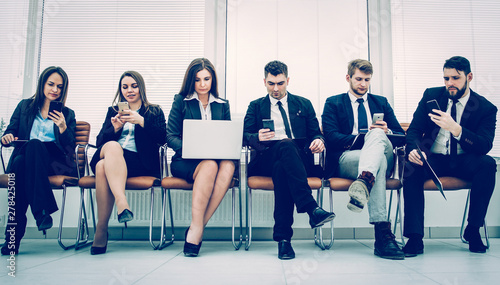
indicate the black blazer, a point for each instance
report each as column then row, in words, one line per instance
column 338, row 122
column 478, row 123
column 303, row 121
column 20, row 126
column 189, row 109
column 147, row 139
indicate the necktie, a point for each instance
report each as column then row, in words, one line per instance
column 453, row 141
column 362, row 120
column 285, row 120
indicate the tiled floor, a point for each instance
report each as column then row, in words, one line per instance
column 446, row 261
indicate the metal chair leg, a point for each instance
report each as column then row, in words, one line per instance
column 318, row 232
column 163, row 242
column 77, row 243
column 236, row 246
column 248, row 240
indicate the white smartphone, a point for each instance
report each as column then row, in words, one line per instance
column 123, row 106
column 377, row 117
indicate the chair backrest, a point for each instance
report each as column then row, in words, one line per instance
column 82, row 135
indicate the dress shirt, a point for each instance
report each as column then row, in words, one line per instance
column 206, row 113
column 279, row 125
column 354, row 106
column 127, row 138
column 42, row 129
column 442, row 143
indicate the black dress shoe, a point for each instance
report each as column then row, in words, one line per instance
column 190, row 249
column 94, row 250
column 285, row 250
column 320, row 217
column 474, row 238
column 413, row 247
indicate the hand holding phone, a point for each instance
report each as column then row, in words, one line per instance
column 377, row 117
column 55, row 105
column 268, row 124
column 431, row 105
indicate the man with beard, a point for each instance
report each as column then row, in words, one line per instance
column 346, row 115
column 455, row 141
column 284, row 150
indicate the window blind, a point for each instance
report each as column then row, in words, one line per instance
column 426, row 33
column 96, row 41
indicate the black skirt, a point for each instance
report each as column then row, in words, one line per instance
column 135, row 167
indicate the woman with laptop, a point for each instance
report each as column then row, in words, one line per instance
column 127, row 147
column 42, row 131
column 199, row 99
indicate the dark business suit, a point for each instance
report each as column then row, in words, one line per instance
column 338, row 123
column 34, row 161
column 478, row 131
column 188, row 109
column 147, row 139
column 287, row 162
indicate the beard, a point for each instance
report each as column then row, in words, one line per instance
column 358, row 92
column 460, row 93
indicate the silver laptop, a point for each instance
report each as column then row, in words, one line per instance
column 212, row 139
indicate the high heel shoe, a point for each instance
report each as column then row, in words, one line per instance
column 125, row 216
column 190, row 249
column 94, row 250
column 44, row 222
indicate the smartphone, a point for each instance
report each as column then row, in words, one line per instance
column 377, row 117
column 268, row 124
column 123, row 106
column 55, row 105
column 433, row 104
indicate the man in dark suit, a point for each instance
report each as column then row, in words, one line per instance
column 345, row 116
column 455, row 141
column 285, row 153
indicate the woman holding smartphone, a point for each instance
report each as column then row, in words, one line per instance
column 44, row 143
column 199, row 99
column 127, row 147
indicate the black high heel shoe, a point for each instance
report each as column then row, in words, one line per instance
column 44, row 223
column 190, row 249
column 94, row 250
column 8, row 251
column 125, row 216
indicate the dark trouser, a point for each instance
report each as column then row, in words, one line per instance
column 289, row 166
column 480, row 169
column 32, row 166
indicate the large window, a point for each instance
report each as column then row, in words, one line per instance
column 426, row 33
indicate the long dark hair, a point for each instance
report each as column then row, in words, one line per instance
column 39, row 96
column 142, row 90
column 194, row 67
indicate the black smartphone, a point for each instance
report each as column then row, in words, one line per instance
column 55, row 105
column 433, row 104
column 268, row 124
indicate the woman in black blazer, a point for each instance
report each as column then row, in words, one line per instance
column 43, row 145
column 127, row 147
column 199, row 99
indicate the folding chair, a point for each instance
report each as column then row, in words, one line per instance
column 63, row 182
column 393, row 183
column 173, row 183
column 139, row 183
column 266, row 183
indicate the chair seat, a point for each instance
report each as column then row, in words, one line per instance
column 176, row 183
column 56, row 181
column 133, row 183
column 342, row 184
column 449, row 183
column 266, row 183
